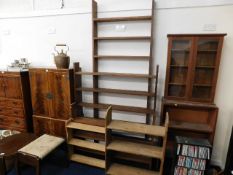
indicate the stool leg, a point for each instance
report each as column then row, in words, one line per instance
column 38, row 169
column 17, row 165
column 2, row 166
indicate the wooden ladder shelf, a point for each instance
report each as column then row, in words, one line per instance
column 82, row 129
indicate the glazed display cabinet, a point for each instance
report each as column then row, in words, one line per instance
column 192, row 66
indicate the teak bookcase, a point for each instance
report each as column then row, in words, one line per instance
column 93, row 130
column 192, row 66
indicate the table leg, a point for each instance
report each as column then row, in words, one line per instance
column 2, row 166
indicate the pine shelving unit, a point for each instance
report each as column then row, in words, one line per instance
column 87, row 125
column 95, row 128
column 134, row 148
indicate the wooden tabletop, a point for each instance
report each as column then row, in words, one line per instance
column 10, row 145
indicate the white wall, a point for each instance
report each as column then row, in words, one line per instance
column 24, row 30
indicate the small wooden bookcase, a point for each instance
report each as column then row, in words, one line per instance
column 190, row 119
column 192, row 66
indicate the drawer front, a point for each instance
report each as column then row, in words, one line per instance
column 2, row 110
column 2, row 102
column 2, row 106
column 14, row 103
column 14, row 112
column 12, row 122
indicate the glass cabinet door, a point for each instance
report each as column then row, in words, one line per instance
column 180, row 55
column 206, row 60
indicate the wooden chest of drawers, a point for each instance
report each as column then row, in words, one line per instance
column 15, row 101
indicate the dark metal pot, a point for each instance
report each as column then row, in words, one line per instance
column 62, row 60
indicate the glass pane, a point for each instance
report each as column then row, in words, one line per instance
column 201, row 92
column 176, row 90
column 181, row 44
column 206, row 59
column 207, row 52
column 179, row 58
column 204, row 76
column 180, row 52
column 178, row 75
column 208, row 45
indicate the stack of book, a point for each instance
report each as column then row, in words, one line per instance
column 192, row 156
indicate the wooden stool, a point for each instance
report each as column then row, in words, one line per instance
column 34, row 152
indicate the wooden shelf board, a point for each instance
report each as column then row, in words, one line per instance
column 207, row 50
column 180, row 50
column 124, row 38
column 203, row 85
column 86, row 127
column 122, row 57
column 88, row 160
column 87, row 144
column 137, row 128
column 117, row 91
column 111, row 74
column 136, row 149
column 133, row 158
column 118, row 108
column 90, row 121
column 168, row 102
column 130, row 18
column 177, row 84
column 89, row 135
column 118, row 169
column 197, row 127
column 196, row 34
column 205, row 67
column 178, row 66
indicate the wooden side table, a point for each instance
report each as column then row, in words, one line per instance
column 9, row 147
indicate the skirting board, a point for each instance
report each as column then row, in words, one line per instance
column 217, row 162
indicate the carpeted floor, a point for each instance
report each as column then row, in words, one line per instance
column 55, row 165
column 49, row 169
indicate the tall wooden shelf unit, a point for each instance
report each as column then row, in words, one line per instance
column 86, row 126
